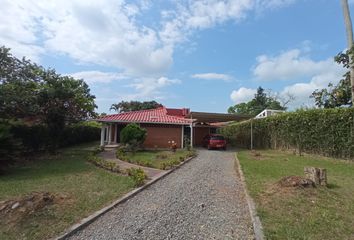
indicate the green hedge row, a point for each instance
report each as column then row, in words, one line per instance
column 36, row 138
column 329, row 132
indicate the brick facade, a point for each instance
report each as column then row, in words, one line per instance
column 158, row 135
column 198, row 134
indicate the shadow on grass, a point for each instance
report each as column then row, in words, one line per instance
column 68, row 161
column 333, row 186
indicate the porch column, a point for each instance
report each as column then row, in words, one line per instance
column 182, row 142
column 109, row 133
column 191, row 126
column 102, row 135
column 115, row 133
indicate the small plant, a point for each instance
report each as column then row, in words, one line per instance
column 138, row 175
column 98, row 150
column 121, row 153
column 187, row 143
column 99, row 162
column 173, row 145
column 162, row 155
column 191, row 153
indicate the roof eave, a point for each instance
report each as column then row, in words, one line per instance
column 119, row 121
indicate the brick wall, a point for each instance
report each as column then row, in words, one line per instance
column 158, row 135
column 198, row 134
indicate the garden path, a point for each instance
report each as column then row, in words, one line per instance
column 110, row 155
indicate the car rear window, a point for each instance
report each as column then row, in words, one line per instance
column 217, row 138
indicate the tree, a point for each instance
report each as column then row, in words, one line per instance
column 63, row 100
column 260, row 102
column 125, row 106
column 336, row 95
column 349, row 30
column 29, row 90
column 19, row 83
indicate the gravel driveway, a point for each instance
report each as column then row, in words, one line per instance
column 202, row 200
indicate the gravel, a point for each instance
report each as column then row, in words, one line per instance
column 203, row 199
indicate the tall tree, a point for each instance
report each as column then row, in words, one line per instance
column 336, row 95
column 29, row 90
column 349, row 30
column 125, row 106
column 260, row 102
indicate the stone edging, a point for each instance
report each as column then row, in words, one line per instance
column 256, row 222
column 86, row 221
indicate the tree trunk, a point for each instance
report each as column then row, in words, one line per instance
column 317, row 175
column 349, row 29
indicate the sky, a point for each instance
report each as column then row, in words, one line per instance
column 205, row 55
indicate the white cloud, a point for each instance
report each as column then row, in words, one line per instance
column 98, row 76
column 212, row 76
column 107, row 32
column 242, row 95
column 292, row 64
column 272, row 4
column 202, row 14
column 150, row 87
column 296, row 65
column 302, row 91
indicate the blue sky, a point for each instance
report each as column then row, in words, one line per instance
column 203, row 54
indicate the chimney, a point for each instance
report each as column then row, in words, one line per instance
column 185, row 111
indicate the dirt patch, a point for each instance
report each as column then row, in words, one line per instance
column 256, row 155
column 296, row 181
column 14, row 210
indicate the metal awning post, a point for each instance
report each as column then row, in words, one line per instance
column 251, row 134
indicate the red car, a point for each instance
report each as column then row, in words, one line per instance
column 214, row 141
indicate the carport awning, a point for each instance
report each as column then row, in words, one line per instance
column 217, row 117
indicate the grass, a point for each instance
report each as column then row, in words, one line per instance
column 320, row 213
column 158, row 159
column 88, row 189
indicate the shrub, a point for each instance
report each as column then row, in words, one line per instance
column 162, row 155
column 102, row 163
column 9, row 146
column 138, row 175
column 187, row 143
column 133, row 136
column 121, row 153
column 328, row 132
column 98, row 150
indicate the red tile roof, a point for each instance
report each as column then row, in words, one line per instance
column 158, row 115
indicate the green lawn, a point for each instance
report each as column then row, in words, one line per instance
column 87, row 187
column 158, row 159
column 321, row 213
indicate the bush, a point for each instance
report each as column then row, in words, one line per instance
column 133, row 135
column 102, row 163
column 121, row 153
column 138, row 175
column 329, row 132
column 79, row 133
column 187, row 143
column 9, row 146
column 18, row 140
column 98, row 150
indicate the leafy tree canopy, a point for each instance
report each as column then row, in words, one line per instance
column 336, row 95
column 261, row 101
column 29, row 90
column 125, row 106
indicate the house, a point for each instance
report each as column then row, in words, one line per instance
column 268, row 112
column 164, row 125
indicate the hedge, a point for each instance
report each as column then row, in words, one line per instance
column 328, row 132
